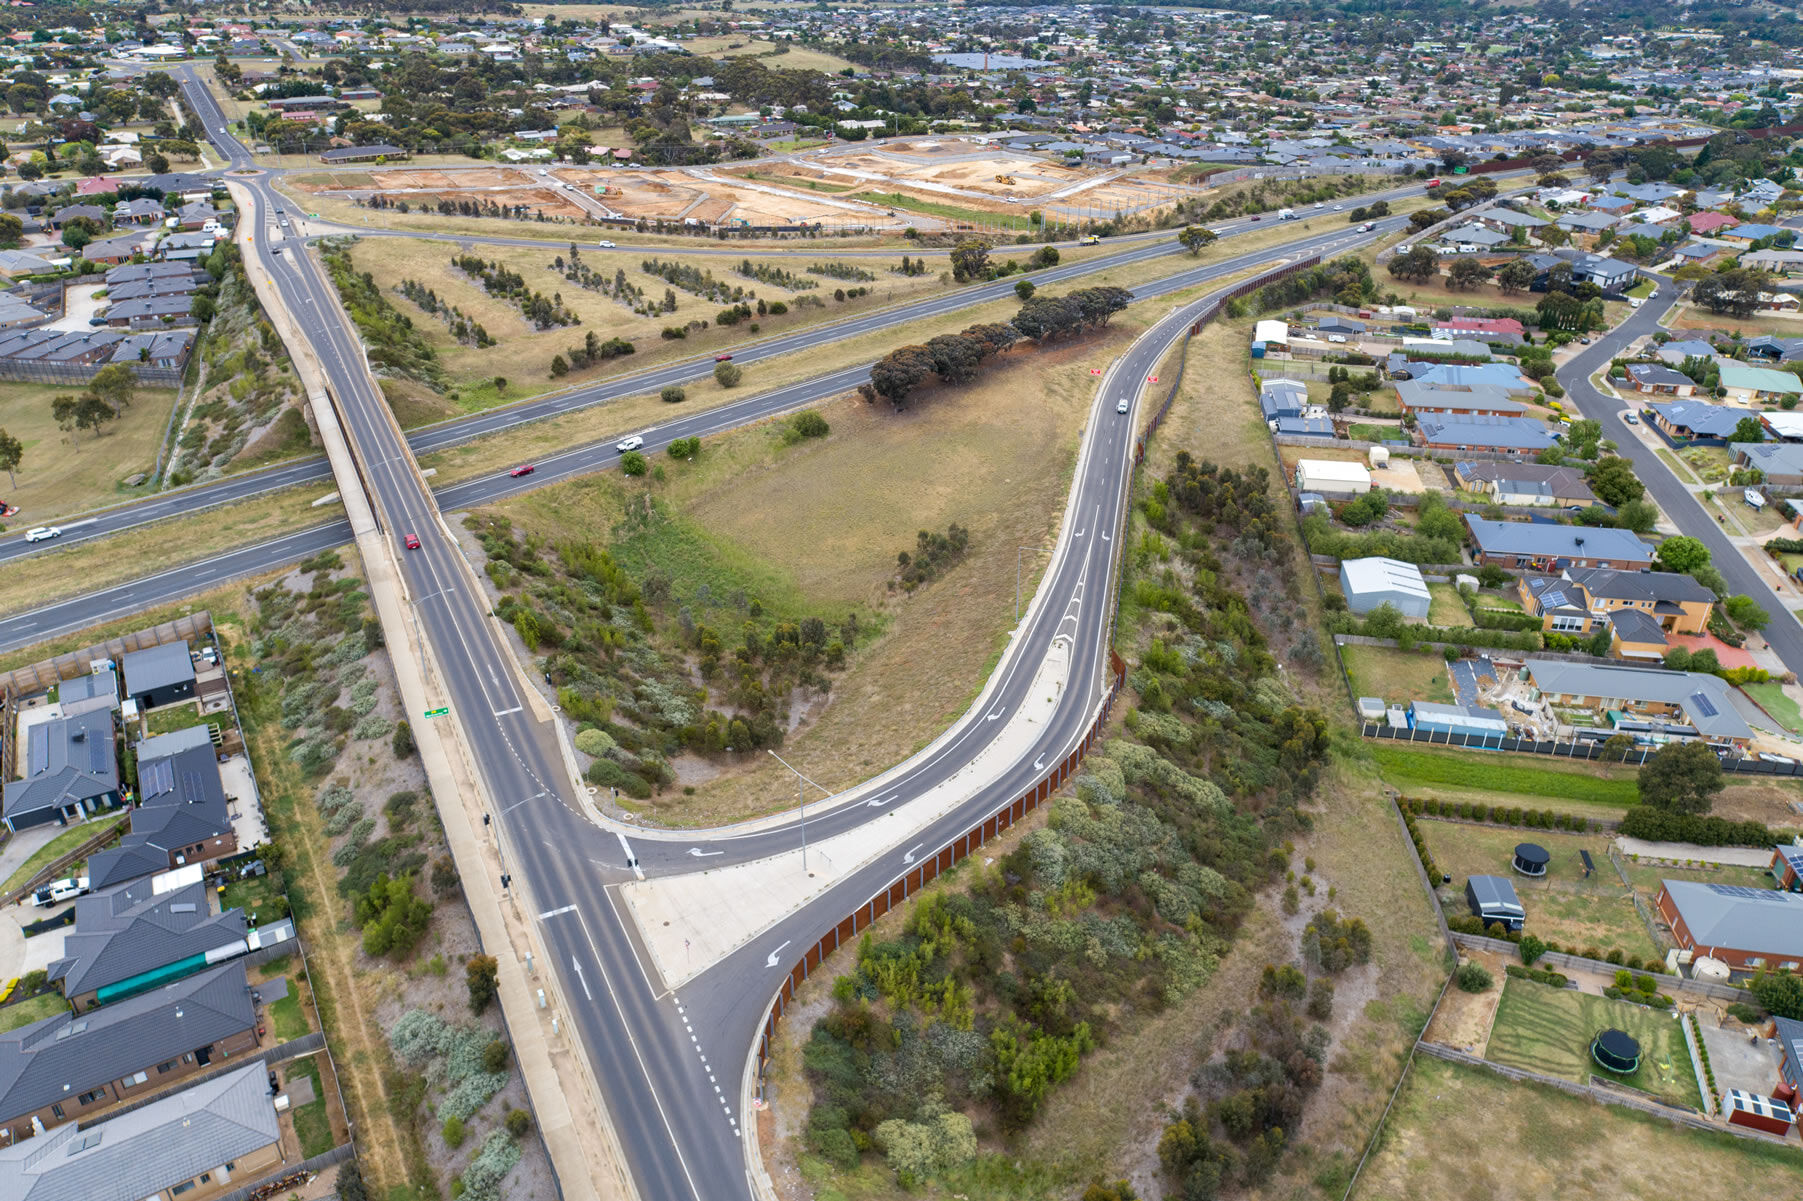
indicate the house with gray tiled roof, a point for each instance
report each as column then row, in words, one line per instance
column 71, row 770
column 223, row 1130
column 69, row 1066
column 131, row 937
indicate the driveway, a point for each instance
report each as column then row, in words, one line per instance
column 80, row 302
column 1665, row 488
column 1739, row 1059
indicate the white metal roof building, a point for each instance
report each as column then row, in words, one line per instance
column 1368, row 583
column 1333, row 477
column 1271, row 333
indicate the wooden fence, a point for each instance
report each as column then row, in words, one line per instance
column 36, row 677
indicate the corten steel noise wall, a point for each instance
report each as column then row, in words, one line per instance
column 964, row 845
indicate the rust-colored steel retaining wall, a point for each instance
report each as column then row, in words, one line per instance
column 997, row 823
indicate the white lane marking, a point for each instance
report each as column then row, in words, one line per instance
column 770, row 959
column 583, row 979
column 909, row 856
column 996, row 716
column 549, row 913
column 632, row 861
column 701, row 854
column 879, row 802
column 505, row 712
column 1039, row 763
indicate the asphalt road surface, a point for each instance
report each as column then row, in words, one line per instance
column 1662, row 485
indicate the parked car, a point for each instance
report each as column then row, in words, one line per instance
column 60, row 890
column 412, row 541
column 626, row 444
column 96, row 320
column 1631, row 417
column 1340, row 338
column 522, row 469
column 43, row 533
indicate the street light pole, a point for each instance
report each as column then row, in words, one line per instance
column 801, row 801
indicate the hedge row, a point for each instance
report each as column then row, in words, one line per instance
column 1658, row 825
column 1466, row 924
column 1501, row 815
column 1696, row 1028
column 1537, row 975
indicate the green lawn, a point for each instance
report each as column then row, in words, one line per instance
column 1397, row 675
column 45, row 1004
column 1641, row 290
column 1780, row 708
column 311, row 1125
column 1406, row 767
column 1373, row 433
column 1448, row 608
column 170, row 718
column 62, row 844
column 1564, row 906
column 249, row 895
column 286, row 1015
column 1548, row 1030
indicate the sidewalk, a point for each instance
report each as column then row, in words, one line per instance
column 692, row 921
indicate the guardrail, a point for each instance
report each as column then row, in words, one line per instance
column 948, row 855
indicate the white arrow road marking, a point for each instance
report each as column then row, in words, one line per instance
column 1105, row 536
column 580, row 977
column 1039, row 763
column 632, row 861
column 701, row 854
column 879, row 802
column 995, row 716
column 770, row 959
column 909, row 857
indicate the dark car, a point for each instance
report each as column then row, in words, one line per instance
column 1255, row 216
column 522, row 469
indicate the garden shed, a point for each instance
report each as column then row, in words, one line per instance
column 1493, row 899
column 1759, row 1113
column 1368, row 583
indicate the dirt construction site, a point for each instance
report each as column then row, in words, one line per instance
column 834, row 185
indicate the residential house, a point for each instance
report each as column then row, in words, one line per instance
column 363, row 154
column 1587, row 222
column 1782, row 462
column 1679, row 349
column 1526, row 484
column 1652, row 379
column 1462, row 375
column 1484, row 329
column 1788, row 263
column 1464, row 400
column 1705, row 223
column 1775, row 350
column 63, row 216
column 142, row 211
column 195, row 1144
column 71, row 770
column 131, row 938
column 1681, row 704
column 118, row 249
column 1786, row 868
column 183, row 817
column 1279, row 398
column 159, row 675
column 1498, row 435
column 1611, row 275
column 1750, row 385
column 68, row 1066
column 1640, row 608
column 1745, row 928
column 1541, row 546
column 150, row 311
column 1694, row 422
column 1788, row 1035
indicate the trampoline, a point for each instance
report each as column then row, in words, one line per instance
column 1617, row 1051
column 1531, row 859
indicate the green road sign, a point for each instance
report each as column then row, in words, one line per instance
column 437, row 712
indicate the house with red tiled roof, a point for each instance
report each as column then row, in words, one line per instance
column 1708, row 223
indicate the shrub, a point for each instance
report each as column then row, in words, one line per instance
column 494, row 1057
column 1538, row 975
column 403, row 740
column 1472, row 977
column 482, row 975
column 1531, row 949
column 809, row 424
column 676, row 394
column 453, row 1132
column 727, row 375
column 517, row 1122
column 633, row 463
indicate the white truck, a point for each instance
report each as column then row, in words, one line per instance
column 1286, row 214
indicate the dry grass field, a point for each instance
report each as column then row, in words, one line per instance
column 1534, row 1141
column 69, row 473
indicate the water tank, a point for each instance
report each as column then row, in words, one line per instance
column 1707, row 967
column 1460, row 581
column 1380, row 457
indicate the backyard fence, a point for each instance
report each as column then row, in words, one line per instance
column 45, row 673
column 1704, row 989
column 34, row 372
column 1580, row 748
column 49, row 870
column 290, row 1179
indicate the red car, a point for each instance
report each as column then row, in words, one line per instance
column 722, row 358
column 522, row 469
column 412, row 541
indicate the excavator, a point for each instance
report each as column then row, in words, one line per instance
column 1007, row 179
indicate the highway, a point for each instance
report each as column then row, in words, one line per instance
column 1663, row 486
column 180, row 502
column 668, row 1063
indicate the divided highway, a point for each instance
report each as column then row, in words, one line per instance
column 659, row 1055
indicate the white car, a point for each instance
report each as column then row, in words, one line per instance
column 1404, row 248
column 60, row 890
column 1366, row 228
column 605, row 245
column 43, row 533
column 1339, row 338
column 1635, row 302
column 1124, row 406
column 626, row 444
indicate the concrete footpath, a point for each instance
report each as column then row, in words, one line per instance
column 1730, row 856
column 692, row 921
column 566, row 1099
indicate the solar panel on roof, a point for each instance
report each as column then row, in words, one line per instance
column 157, row 776
column 1746, row 893
column 1703, row 704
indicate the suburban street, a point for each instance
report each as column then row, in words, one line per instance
column 1664, row 487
